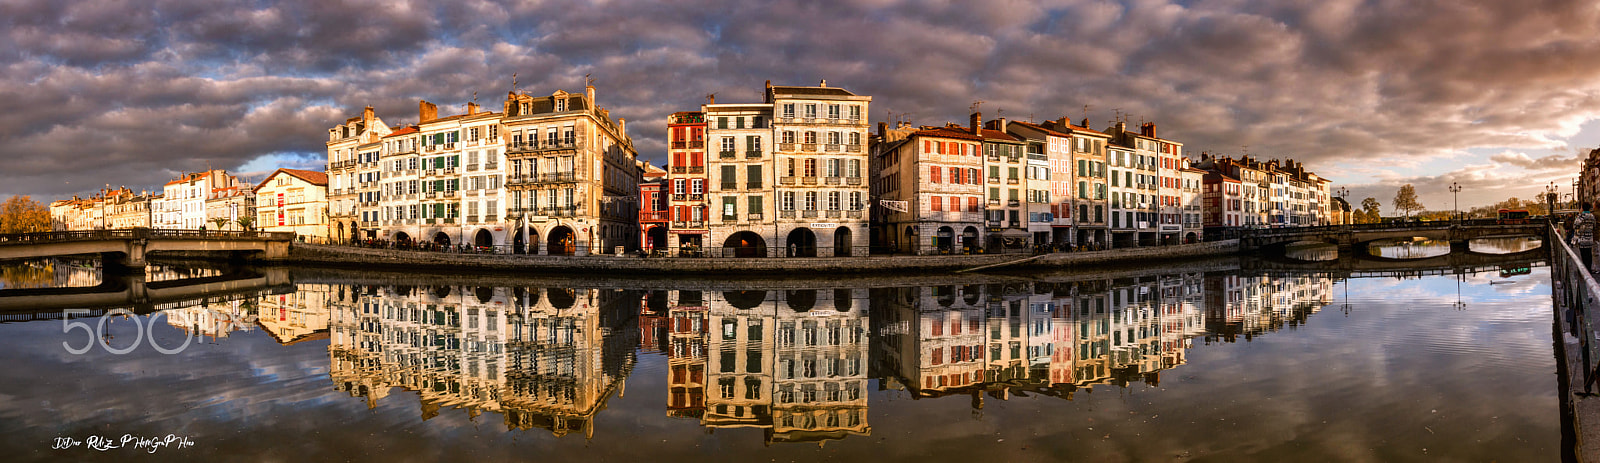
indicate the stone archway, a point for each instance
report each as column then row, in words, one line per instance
column 518, row 245
column 562, row 242
column 442, row 239
column 744, row 244
column 483, row 239
column 802, row 243
column 842, row 242
column 656, row 237
column 969, row 240
column 945, row 240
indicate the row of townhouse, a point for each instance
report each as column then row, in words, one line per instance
column 1587, row 185
column 548, row 175
column 194, row 201
column 1012, row 185
column 783, row 177
column 1249, row 193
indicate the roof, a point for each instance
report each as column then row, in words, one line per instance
column 311, row 176
column 1075, row 128
column 1191, row 169
column 408, row 130
column 947, row 132
column 1037, row 127
column 811, row 91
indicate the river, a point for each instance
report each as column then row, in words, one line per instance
column 1176, row 363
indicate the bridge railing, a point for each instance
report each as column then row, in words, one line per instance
column 1576, row 293
column 1255, row 232
column 137, row 233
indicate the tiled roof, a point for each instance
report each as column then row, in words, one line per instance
column 990, row 134
column 948, row 132
column 1038, row 127
column 311, row 176
column 408, row 130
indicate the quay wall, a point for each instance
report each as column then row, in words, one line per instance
column 365, row 258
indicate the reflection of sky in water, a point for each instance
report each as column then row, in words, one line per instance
column 1505, row 245
column 1404, row 375
column 1410, row 249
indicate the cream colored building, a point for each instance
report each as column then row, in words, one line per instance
column 821, row 166
column 573, row 175
column 292, row 200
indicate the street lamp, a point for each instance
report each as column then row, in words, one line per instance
column 1344, row 217
column 1455, row 192
column 1550, row 198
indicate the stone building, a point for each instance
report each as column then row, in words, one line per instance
column 353, row 144
column 686, row 182
column 575, row 173
column 820, row 162
column 292, row 200
column 932, row 176
column 740, row 180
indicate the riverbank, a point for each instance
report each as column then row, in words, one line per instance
column 385, row 259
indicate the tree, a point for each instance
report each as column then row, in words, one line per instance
column 1369, row 210
column 244, row 221
column 1405, row 200
column 21, row 214
column 221, row 222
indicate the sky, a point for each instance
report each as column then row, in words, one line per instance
column 1500, row 97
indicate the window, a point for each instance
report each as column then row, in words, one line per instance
column 678, row 186
column 754, row 207
column 697, row 186
column 730, row 177
column 811, row 200
column 727, row 144
column 753, row 177
column 729, row 208
column 788, row 111
column 811, row 167
column 722, row 122
column 788, row 201
column 811, row 110
column 811, row 138
column 855, row 138
column 934, row 175
column 855, row 201
column 937, row 203
column 788, row 136
column 833, row 200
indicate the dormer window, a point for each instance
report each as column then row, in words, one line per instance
column 561, row 105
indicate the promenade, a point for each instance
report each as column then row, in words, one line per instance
column 386, row 259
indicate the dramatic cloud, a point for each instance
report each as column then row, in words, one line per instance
column 1368, row 93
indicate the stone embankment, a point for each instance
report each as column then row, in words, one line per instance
column 364, row 258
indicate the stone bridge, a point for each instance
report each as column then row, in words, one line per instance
column 142, row 296
column 1354, row 238
column 126, row 249
column 1356, row 266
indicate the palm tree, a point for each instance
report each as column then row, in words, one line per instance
column 221, row 222
column 245, row 221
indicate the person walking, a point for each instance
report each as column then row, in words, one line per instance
column 1583, row 236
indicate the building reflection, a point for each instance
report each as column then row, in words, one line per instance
column 794, row 363
column 542, row 358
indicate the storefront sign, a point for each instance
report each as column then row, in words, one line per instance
column 824, row 225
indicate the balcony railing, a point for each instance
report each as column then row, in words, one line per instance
column 808, row 180
column 559, row 212
column 831, row 147
column 786, row 147
column 753, row 216
column 856, row 148
column 448, row 193
column 654, row 216
column 853, row 180
column 752, row 154
column 1011, row 181
column 994, row 179
column 853, row 214
column 697, row 144
column 808, row 214
column 834, row 213
column 1013, row 203
column 831, row 180
column 808, row 147
column 786, row 180
column 786, row 214
column 730, row 186
column 727, row 154
column 559, row 177
column 753, row 186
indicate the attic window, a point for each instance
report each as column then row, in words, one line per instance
column 561, row 104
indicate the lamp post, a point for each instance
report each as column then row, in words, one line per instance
column 1550, row 199
column 1455, row 193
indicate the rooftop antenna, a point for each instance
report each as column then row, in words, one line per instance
column 1085, row 112
column 588, row 81
column 474, row 96
column 1030, row 117
column 975, row 105
column 1118, row 115
column 711, row 98
column 1001, row 112
column 513, row 82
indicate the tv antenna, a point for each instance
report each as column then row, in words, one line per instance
column 975, row 105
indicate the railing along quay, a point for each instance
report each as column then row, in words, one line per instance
column 136, row 233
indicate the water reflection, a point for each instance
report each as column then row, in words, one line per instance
column 792, row 362
column 1312, row 252
column 1409, row 249
column 1505, row 245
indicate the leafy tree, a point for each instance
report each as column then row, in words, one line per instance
column 245, row 221
column 21, row 214
column 221, row 222
column 1405, row 200
column 1369, row 210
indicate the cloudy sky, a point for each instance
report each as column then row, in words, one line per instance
column 1498, row 96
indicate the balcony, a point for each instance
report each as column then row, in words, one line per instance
column 994, row 179
column 786, row 147
column 559, row 177
column 831, row 180
column 1037, row 156
column 449, row 146
column 786, row 214
column 1013, row 203
column 834, row 213
column 753, row 216
column 448, row 193
column 856, row 148
column 697, row 144
column 785, row 180
column 994, row 202
column 430, row 148
column 654, row 216
column 752, row 154
column 730, row 186
column 727, row 154
column 1011, row 181
column 831, row 147
column 472, row 219
column 852, row 214
column 431, row 194
column 993, row 158
column 853, row 180
column 472, row 167
column 808, row 214
column 808, row 180
column 559, row 212
column 808, row 147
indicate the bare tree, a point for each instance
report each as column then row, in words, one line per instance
column 1405, row 200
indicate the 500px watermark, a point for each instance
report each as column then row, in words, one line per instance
column 97, row 333
column 126, row 442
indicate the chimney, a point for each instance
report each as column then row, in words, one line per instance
column 1085, row 123
column 1001, row 123
column 366, row 116
column 824, row 83
column 975, row 121
column 472, row 108
column 426, row 111
column 1148, row 129
column 622, row 126
column 883, row 130
column 1121, row 127
column 588, row 90
column 711, row 98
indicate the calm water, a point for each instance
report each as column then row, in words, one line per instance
column 1204, row 364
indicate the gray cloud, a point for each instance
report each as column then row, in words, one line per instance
column 127, row 93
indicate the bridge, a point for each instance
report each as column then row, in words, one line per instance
column 1355, row 237
column 1364, row 266
column 141, row 296
column 125, row 250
